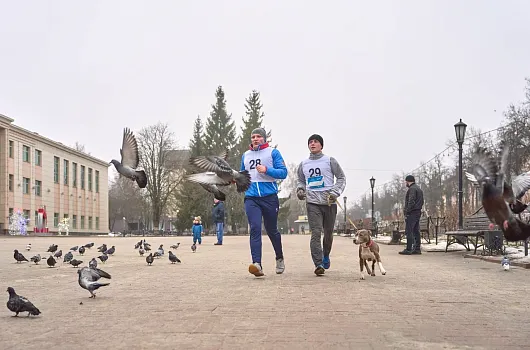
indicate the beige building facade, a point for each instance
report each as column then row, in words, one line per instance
column 36, row 171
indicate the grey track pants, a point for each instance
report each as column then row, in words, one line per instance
column 321, row 218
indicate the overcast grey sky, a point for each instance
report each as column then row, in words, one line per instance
column 382, row 82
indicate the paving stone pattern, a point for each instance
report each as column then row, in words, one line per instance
column 210, row 301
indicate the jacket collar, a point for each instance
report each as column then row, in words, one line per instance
column 260, row 147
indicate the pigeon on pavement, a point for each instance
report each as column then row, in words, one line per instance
column 18, row 303
column 173, row 258
column 88, row 279
column 19, row 257
column 130, row 159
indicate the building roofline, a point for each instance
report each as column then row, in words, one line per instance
column 39, row 137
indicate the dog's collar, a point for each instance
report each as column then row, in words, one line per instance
column 368, row 245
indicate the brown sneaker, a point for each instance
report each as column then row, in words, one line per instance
column 255, row 269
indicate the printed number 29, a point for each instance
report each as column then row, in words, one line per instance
column 254, row 163
column 314, row 172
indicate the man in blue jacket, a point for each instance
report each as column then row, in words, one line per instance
column 265, row 165
column 218, row 216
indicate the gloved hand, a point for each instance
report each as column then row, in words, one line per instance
column 332, row 198
column 301, row 194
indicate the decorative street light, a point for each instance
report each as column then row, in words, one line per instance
column 372, row 185
column 345, row 198
column 460, row 129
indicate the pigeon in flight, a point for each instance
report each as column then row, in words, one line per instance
column 486, row 172
column 18, row 303
column 223, row 174
column 210, row 182
column 88, row 279
column 130, row 160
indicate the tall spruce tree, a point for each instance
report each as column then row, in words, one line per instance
column 253, row 119
column 197, row 143
column 220, row 132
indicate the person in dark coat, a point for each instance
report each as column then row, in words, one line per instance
column 218, row 215
column 412, row 211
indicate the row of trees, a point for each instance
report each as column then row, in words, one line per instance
column 439, row 180
column 167, row 195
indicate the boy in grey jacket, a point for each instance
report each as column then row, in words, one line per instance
column 317, row 185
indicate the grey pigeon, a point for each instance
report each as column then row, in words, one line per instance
column 52, row 248
column 141, row 252
column 102, row 248
column 19, row 257
column 149, row 259
column 36, row 259
column 210, row 182
column 103, row 258
column 193, row 247
column 175, row 246
column 75, row 262
column 93, row 263
column 74, row 248
column 172, row 257
column 51, row 261
column 18, row 303
column 157, row 255
column 81, row 250
column 58, row 254
column 68, row 257
column 89, row 245
column 130, row 159
column 224, row 174
column 88, row 279
column 110, row 251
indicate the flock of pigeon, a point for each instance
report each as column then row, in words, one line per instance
column 216, row 173
column 502, row 201
column 88, row 276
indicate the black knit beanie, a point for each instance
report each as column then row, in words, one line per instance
column 410, row 178
column 260, row 131
column 316, row 137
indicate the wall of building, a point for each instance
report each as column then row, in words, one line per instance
column 27, row 183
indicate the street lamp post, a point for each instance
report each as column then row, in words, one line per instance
column 460, row 129
column 372, row 185
column 345, row 198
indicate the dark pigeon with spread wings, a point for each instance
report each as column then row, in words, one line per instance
column 486, row 171
column 18, row 303
column 218, row 173
column 130, row 159
column 89, row 277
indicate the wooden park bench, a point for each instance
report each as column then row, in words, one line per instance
column 474, row 228
column 425, row 225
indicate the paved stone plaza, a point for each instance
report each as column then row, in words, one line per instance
column 210, row 301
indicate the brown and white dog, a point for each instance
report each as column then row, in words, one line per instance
column 368, row 251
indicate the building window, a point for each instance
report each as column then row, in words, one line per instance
column 25, row 185
column 26, row 215
column 65, row 170
column 74, row 221
column 90, row 222
column 10, row 212
column 38, row 186
column 25, row 153
column 11, row 149
column 55, row 219
column 82, row 178
column 38, row 157
column 97, row 181
column 90, row 179
column 97, row 222
column 36, row 216
column 74, row 174
column 56, row 170
column 65, row 216
column 82, row 222
column 11, row 180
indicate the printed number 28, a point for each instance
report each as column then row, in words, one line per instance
column 314, row 172
column 254, row 163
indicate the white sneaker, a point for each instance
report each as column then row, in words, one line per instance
column 255, row 269
column 280, row 266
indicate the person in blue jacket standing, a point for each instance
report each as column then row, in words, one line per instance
column 218, row 216
column 265, row 165
column 196, row 229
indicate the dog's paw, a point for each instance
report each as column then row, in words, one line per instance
column 383, row 273
column 372, row 274
column 362, row 276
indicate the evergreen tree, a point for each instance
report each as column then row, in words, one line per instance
column 220, row 133
column 197, row 143
column 253, row 119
